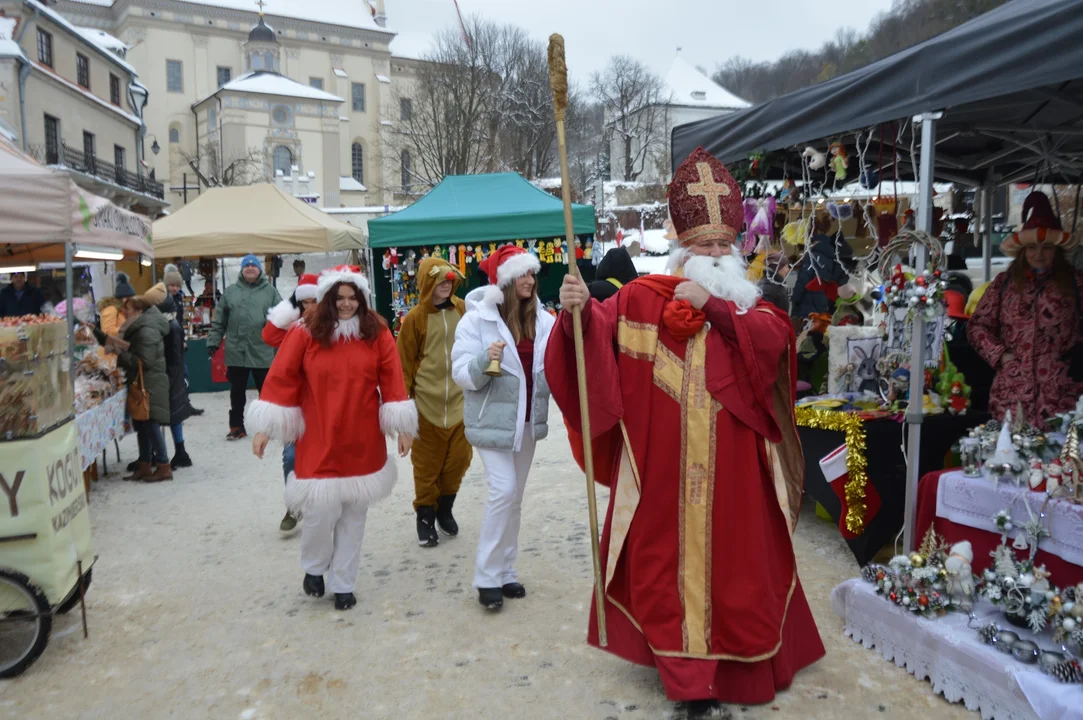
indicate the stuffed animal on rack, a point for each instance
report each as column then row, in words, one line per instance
column 424, row 253
column 815, row 159
column 462, row 260
column 394, row 258
column 387, row 260
column 579, row 252
column 959, row 399
column 839, row 161
column 532, row 246
column 470, row 254
column 588, row 251
column 452, row 256
column 519, row 243
column 411, row 263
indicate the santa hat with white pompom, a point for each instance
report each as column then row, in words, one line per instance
column 507, row 265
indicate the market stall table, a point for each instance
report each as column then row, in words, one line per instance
column 886, row 470
column 952, row 657
column 100, row 425
column 963, row 508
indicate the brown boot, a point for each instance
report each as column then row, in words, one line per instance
column 142, row 470
column 162, row 472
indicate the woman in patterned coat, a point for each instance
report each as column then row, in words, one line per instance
column 1029, row 319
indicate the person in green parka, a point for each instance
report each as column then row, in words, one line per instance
column 145, row 330
column 239, row 318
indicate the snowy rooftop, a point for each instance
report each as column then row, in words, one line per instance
column 410, row 45
column 8, row 47
column 349, row 184
column 269, row 83
column 903, row 188
column 330, row 12
column 692, row 88
column 104, row 40
column 60, row 20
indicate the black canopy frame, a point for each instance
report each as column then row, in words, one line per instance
column 1005, row 93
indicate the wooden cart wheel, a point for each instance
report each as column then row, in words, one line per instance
column 25, row 623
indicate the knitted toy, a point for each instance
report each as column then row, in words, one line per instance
column 839, row 161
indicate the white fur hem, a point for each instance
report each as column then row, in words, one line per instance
column 399, row 417
column 281, row 423
column 515, row 267
column 283, row 315
column 303, row 495
column 329, row 277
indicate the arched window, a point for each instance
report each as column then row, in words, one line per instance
column 174, row 135
column 283, row 160
column 406, row 175
column 357, row 162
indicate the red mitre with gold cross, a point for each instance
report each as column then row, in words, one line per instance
column 704, row 200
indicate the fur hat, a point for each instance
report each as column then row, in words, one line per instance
column 342, row 274
column 172, row 275
column 1040, row 225
column 306, row 287
column 123, row 288
column 156, row 295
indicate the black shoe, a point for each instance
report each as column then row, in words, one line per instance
column 236, row 433
column 313, row 585
column 444, row 519
column 344, row 601
column 695, row 709
column 426, row 527
column 180, row 458
column 196, row 412
column 513, row 590
column 491, row 598
column 133, row 465
column 288, row 524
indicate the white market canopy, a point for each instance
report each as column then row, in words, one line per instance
column 259, row 219
column 41, row 209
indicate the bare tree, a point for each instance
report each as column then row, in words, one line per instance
column 212, row 171
column 634, row 99
column 588, row 150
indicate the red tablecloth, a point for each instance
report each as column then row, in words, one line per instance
column 984, row 542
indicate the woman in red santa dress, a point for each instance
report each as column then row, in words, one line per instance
column 336, row 389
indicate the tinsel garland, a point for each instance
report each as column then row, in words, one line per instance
column 853, row 428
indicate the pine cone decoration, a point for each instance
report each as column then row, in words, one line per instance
column 987, row 633
column 1068, row 671
column 868, row 573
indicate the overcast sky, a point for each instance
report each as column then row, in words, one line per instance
column 708, row 31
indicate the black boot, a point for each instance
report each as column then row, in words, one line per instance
column 426, row 527
column 180, row 457
column 196, row 412
column 513, row 590
column 344, row 601
column 491, row 598
column 696, row 709
column 444, row 519
column 313, row 585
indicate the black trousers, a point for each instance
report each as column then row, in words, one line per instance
column 238, row 384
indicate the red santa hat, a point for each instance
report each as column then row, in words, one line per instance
column 1040, row 225
column 342, row 274
column 704, row 200
column 306, row 287
column 508, row 264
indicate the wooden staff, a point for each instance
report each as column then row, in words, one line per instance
column 558, row 80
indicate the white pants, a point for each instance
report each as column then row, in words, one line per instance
column 498, row 545
column 331, row 543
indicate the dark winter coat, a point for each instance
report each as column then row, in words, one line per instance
column 11, row 305
column 616, row 265
column 1037, row 325
column 146, row 335
column 180, row 409
column 239, row 318
column 820, row 261
column 776, row 294
column 178, row 310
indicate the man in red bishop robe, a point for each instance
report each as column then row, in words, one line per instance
column 691, row 406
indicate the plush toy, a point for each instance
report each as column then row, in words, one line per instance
column 387, row 260
column 588, row 251
column 438, row 252
column 959, row 399
column 479, row 254
column 579, row 252
column 492, row 249
column 532, row 246
column 519, row 243
column 411, row 263
column 960, row 580
column 788, row 192
column 815, row 159
column 462, row 260
column 394, row 258
column 839, row 161
column 424, row 253
column 470, row 254
column 452, row 257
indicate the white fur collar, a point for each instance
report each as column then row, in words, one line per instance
column 347, row 329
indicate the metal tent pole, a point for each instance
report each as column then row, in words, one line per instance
column 987, row 241
column 69, row 288
column 914, row 415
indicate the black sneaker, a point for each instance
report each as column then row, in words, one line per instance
column 426, row 527
column 196, row 412
column 313, row 585
column 513, row 590
column 444, row 519
column 344, row 601
column 236, row 433
column 491, row 598
column 288, row 524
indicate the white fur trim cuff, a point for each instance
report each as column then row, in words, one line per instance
column 515, row 267
column 304, row 495
column 399, row 417
column 305, row 292
column 329, row 277
column 281, row 423
column 283, row 315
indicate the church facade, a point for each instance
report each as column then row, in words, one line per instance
column 298, row 92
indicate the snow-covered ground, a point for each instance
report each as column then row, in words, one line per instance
column 196, row 611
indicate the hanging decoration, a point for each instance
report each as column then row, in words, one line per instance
column 853, row 428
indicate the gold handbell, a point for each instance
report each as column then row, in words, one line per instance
column 494, row 369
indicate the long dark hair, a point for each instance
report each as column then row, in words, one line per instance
column 1062, row 270
column 520, row 315
column 321, row 320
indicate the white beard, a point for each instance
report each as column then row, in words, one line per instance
column 723, row 277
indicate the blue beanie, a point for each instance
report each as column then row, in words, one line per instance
column 251, row 261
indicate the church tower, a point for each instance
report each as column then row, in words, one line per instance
column 261, row 50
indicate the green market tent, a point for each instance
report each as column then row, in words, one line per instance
column 474, row 209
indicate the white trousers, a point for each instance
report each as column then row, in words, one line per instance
column 331, row 543
column 498, row 545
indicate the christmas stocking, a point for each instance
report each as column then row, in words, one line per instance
column 833, row 466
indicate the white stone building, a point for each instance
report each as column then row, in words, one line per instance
column 302, row 94
column 68, row 98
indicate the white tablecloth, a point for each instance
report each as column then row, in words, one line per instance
column 100, row 425
column 974, row 502
column 952, row 657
